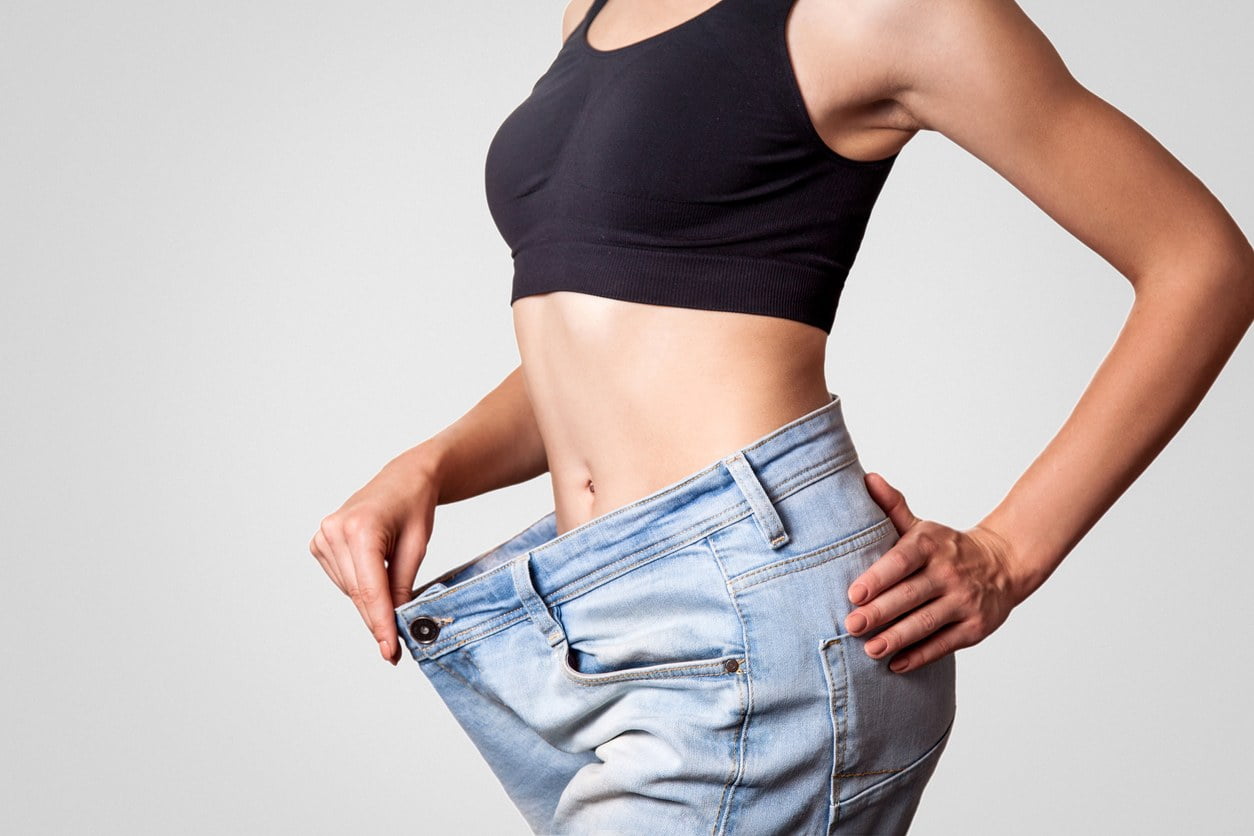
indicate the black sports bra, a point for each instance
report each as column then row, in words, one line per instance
column 681, row 170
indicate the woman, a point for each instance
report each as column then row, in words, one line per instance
column 726, row 624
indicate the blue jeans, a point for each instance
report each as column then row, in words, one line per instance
column 680, row 664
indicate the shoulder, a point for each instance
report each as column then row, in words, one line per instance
column 927, row 54
column 905, row 16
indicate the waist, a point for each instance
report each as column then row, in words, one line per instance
column 479, row 596
column 629, row 397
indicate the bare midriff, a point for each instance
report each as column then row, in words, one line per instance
column 630, row 397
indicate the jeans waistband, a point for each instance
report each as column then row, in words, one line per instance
column 534, row 568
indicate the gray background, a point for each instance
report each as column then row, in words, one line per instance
column 246, row 259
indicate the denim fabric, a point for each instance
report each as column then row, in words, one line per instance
column 680, row 664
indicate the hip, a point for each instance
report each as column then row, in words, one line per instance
column 689, row 647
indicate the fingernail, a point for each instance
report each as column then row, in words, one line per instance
column 383, row 648
column 856, row 623
column 876, row 646
column 898, row 665
column 857, row 593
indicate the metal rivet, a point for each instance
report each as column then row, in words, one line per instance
column 424, row 630
column 731, row 665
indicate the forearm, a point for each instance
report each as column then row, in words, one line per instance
column 1177, row 338
column 494, row 445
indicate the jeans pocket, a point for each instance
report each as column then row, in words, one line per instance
column 670, row 617
column 884, row 725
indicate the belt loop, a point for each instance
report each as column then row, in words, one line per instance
column 771, row 526
column 536, row 608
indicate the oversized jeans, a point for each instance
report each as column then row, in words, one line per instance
column 680, row 664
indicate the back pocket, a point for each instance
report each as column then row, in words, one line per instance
column 883, row 722
column 672, row 616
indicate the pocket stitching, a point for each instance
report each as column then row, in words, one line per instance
column 614, row 570
column 494, row 625
column 839, row 713
column 746, row 691
column 662, row 670
column 839, row 734
column 871, row 534
column 853, row 801
column 658, row 670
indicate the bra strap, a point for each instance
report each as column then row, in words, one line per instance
column 592, row 12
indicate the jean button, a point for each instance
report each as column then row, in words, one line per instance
column 424, row 630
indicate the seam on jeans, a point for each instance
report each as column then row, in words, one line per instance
column 737, row 767
column 836, row 467
column 897, row 773
column 444, row 593
column 833, row 465
column 479, row 627
column 746, row 705
column 844, row 738
column 875, row 772
column 871, row 534
column 840, row 735
column 714, row 522
column 602, row 575
column 476, row 636
column 452, row 673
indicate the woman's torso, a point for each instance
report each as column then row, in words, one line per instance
column 630, row 397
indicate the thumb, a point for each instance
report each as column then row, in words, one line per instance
column 892, row 501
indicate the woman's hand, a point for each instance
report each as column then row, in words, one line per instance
column 947, row 589
column 373, row 545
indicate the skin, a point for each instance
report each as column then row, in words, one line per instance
column 601, row 398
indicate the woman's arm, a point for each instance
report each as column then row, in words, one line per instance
column 982, row 74
column 494, row 445
column 1179, row 334
column 372, row 546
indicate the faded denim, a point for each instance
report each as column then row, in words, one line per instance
column 680, row 664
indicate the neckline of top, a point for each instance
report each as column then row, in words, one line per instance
column 599, row 5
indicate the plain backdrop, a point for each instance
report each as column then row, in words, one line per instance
column 246, row 258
